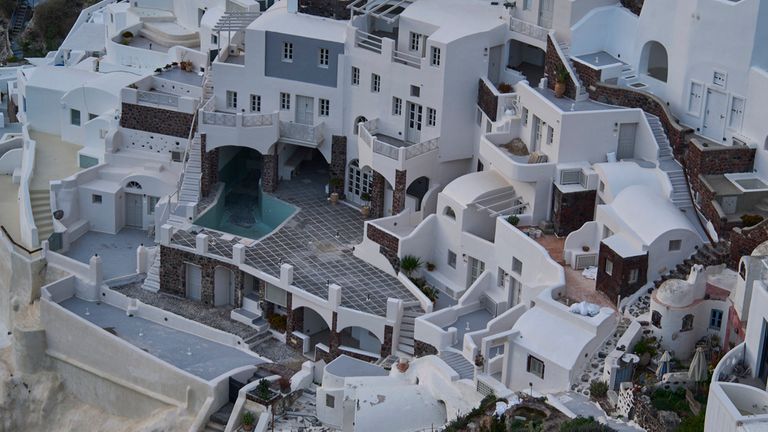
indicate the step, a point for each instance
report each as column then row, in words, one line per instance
column 406, row 349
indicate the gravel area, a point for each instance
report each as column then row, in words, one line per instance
column 280, row 353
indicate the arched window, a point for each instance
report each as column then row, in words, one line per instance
column 359, row 120
column 687, row 323
column 448, row 211
column 656, row 319
column 133, row 185
column 654, row 61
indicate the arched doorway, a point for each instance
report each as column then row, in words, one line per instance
column 417, row 190
column 361, row 339
column 358, row 120
column 654, row 61
column 359, row 182
column 313, row 327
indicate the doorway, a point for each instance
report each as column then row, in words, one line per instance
column 627, row 134
column 223, row 287
column 714, row 115
column 494, row 63
column 413, row 123
column 476, row 268
column 194, row 282
column 546, row 13
column 305, row 110
column 762, row 361
column 134, row 209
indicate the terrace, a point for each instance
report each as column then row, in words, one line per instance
column 117, row 251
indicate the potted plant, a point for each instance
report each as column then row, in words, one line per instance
column 513, row 220
column 127, row 37
column 409, row 264
column 430, row 266
column 585, row 248
column 336, row 185
column 285, row 384
column 365, row 210
column 561, row 76
column 249, row 421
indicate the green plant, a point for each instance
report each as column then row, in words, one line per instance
column 668, row 400
column 127, row 35
column 409, row 264
column 645, row 345
column 431, row 292
column 337, row 182
column 248, row 418
column 262, row 390
column 598, row 389
column 561, row 74
column 693, row 423
column 365, row 196
column 584, row 424
column 751, row 220
column 12, row 59
column 513, row 220
column 278, row 322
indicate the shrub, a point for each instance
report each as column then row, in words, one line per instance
column 431, row 292
column 127, row 35
column 751, row 220
column 262, row 390
column 365, row 197
column 513, row 220
column 668, row 400
column 248, row 418
column 504, row 88
column 584, row 424
column 598, row 389
column 278, row 322
column 645, row 345
column 284, row 383
column 409, row 264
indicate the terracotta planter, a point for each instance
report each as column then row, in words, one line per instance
column 559, row 89
column 334, row 198
column 249, row 428
column 365, row 211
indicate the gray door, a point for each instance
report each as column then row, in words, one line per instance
column 494, row 63
column 413, row 123
column 627, row 133
column 194, row 282
column 134, row 210
column 714, row 115
column 305, row 110
column 546, row 12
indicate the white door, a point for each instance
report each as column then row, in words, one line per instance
column 627, row 133
column 134, row 210
column 359, row 182
column 714, row 115
column 222, row 285
column 538, row 133
column 194, row 282
column 729, row 205
column 546, row 12
column 413, row 123
column 476, row 268
column 494, row 63
column 305, row 110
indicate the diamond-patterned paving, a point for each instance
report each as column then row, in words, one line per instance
column 318, row 241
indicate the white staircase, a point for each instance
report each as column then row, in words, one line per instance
column 667, row 163
column 457, row 362
column 407, row 326
column 41, row 212
column 190, row 183
column 581, row 91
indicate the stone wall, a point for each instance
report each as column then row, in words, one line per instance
column 336, row 9
column 745, row 240
column 389, row 244
column 572, row 210
column 269, row 173
column 386, row 344
column 487, row 100
column 173, row 274
column 635, row 6
column 378, row 184
column 209, row 167
column 421, row 349
column 156, row 120
column 617, row 283
column 398, row 194
column 338, row 167
column 703, row 158
column 552, row 62
column 589, row 76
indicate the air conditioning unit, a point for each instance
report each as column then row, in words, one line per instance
column 568, row 177
column 584, row 261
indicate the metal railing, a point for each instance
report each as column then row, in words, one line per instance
column 157, row 98
column 368, row 41
column 406, row 59
column 528, row 29
column 17, row 244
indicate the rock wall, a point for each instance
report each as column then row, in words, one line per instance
column 157, row 120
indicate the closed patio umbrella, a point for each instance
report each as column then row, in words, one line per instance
column 699, row 371
column 664, row 365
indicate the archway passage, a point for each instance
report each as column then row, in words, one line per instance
column 526, row 59
column 417, row 190
column 359, row 338
column 312, row 325
column 654, row 61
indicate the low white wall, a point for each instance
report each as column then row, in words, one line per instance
column 26, row 219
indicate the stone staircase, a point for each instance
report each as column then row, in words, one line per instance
column 581, row 91
column 667, row 163
column 457, row 362
column 41, row 212
column 386, row 362
column 706, row 255
column 407, row 326
column 217, row 422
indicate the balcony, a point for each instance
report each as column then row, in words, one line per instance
column 302, row 134
column 386, row 154
column 509, row 155
column 253, row 130
column 531, row 30
column 736, row 397
column 386, row 47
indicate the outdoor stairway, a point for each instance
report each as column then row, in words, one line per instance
column 457, row 362
column 680, row 196
column 706, row 255
column 19, row 19
column 217, row 422
column 41, row 213
column 386, row 362
column 407, row 326
column 581, row 91
column 190, row 184
column 257, row 339
column 152, row 281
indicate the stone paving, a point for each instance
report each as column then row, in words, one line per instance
column 318, row 241
column 594, row 368
column 301, row 416
column 640, row 307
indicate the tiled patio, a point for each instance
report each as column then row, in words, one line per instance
column 117, row 251
column 318, row 241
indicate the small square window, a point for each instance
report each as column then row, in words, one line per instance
column 287, row 52
column 431, row 117
column 355, row 76
column 214, row 39
column 375, row 83
column 324, row 57
column 452, row 259
column 74, row 117
column 415, row 42
column 330, row 401
column 255, row 103
column 397, row 106
column 96, row 199
column 535, row 366
column 609, row 267
column 415, row 91
column 633, row 276
column 434, row 58
column 675, row 245
column 285, row 101
column 517, row 266
column 716, row 319
column 325, row 107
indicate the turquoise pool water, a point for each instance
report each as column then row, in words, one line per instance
column 246, row 213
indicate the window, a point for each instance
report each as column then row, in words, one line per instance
column 695, row 98
column 415, row 42
column 550, row 135
column 517, row 266
column 151, row 203
column 526, row 4
column 431, row 117
column 737, row 113
column 355, row 76
column 720, row 79
column 715, row 319
column 675, row 245
column 92, row 116
column 434, row 57
column 397, row 106
column 535, row 366
column 324, row 55
column 325, row 107
column 255, row 103
column 609, row 267
column 452, row 259
column 231, row 99
column 449, row 212
column 633, row 276
column 359, row 181
column 74, row 117
column 330, row 401
column 96, row 199
column 656, row 319
column 375, row 83
column 687, row 323
column 133, row 185
column 524, row 116
column 285, row 101
column 415, row 91
column 568, row 177
column 214, row 39
column 287, row 52
column 538, row 132
column 502, row 276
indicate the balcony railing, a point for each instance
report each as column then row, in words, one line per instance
column 368, row 41
column 216, row 118
column 367, row 132
column 312, row 134
column 157, row 98
column 528, row 29
column 406, row 59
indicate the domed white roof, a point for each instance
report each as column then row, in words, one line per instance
column 761, row 249
column 675, row 293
